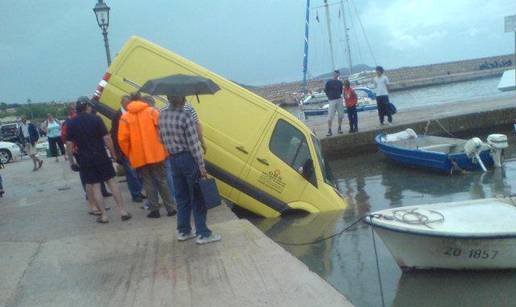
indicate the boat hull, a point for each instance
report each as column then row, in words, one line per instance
column 416, row 251
column 440, row 162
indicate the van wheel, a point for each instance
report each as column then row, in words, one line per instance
column 5, row 156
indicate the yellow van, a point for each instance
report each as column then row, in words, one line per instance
column 264, row 159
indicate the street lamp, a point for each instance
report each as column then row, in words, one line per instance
column 101, row 11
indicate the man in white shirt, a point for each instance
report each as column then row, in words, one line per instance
column 381, row 83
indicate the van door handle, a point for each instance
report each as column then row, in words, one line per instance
column 263, row 161
column 242, row 149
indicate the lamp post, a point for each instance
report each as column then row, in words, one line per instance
column 101, row 11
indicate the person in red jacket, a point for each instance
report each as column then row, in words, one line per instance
column 351, row 100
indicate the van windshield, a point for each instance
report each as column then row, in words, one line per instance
column 325, row 168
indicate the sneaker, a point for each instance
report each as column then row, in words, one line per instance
column 172, row 212
column 329, row 133
column 212, row 238
column 154, row 214
column 138, row 199
column 389, row 124
column 183, row 237
column 340, row 131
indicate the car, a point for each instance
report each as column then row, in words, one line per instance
column 9, row 132
column 9, row 151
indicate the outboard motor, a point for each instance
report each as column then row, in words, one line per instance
column 497, row 143
column 473, row 147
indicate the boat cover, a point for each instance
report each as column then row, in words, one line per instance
column 491, row 217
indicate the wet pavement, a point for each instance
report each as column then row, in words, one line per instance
column 371, row 182
column 52, row 253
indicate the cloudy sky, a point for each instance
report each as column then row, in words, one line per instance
column 53, row 50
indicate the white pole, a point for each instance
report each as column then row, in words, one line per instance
column 328, row 23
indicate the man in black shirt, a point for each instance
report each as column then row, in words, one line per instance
column 91, row 137
column 333, row 90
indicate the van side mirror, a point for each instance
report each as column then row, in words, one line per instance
column 307, row 171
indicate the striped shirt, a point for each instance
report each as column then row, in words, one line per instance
column 179, row 133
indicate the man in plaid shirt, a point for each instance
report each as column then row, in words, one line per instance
column 179, row 134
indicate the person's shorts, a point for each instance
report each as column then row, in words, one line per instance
column 98, row 173
column 335, row 106
column 30, row 149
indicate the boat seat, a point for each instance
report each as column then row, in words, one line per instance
column 444, row 148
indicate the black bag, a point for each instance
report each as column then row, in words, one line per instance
column 209, row 193
column 392, row 108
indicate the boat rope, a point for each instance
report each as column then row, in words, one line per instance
column 440, row 125
column 378, row 272
column 412, row 217
column 324, row 238
column 363, row 32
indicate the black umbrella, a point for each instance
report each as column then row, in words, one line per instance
column 180, row 85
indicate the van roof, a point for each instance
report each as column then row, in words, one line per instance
column 225, row 84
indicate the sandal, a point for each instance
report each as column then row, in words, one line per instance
column 126, row 217
column 95, row 212
column 102, row 221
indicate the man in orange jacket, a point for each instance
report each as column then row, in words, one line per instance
column 139, row 139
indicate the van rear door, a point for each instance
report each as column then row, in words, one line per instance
column 274, row 172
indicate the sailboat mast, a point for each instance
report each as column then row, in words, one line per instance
column 305, row 57
column 328, row 22
column 346, row 32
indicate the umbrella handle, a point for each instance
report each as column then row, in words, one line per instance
column 197, row 95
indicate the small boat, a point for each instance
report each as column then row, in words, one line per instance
column 366, row 102
column 508, row 81
column 442, row 154
column 466, row 235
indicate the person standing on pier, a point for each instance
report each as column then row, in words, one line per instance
column 351, row 99
column 381, row 83
column 139, row 140
column 333, row 90
column 179, row 133
column 52, row 127
column 90, row 135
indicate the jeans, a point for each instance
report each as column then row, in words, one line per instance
column 154, row 181
column 185, row 174
column 133, row 181
column 170, row 180
column 353, row 118
column 383, row 108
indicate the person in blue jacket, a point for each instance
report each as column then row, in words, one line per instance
column 28, row 135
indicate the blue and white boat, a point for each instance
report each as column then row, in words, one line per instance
column 442, row 154
column 366, row 102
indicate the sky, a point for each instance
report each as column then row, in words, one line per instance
column 53, row 50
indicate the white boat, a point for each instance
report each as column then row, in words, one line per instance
column 466, row 235
column 508, row 81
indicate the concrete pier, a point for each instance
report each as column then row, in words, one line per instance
column 52, row 253
column 458, row 118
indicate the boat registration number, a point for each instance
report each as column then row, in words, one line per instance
column 476, row 253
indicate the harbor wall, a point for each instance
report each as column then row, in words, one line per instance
column 461, row 125
column 405, row 77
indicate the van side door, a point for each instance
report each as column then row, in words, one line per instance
column 275, row 172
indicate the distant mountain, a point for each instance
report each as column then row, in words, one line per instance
column 344, row 71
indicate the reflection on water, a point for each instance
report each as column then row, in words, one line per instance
column 347, row 261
